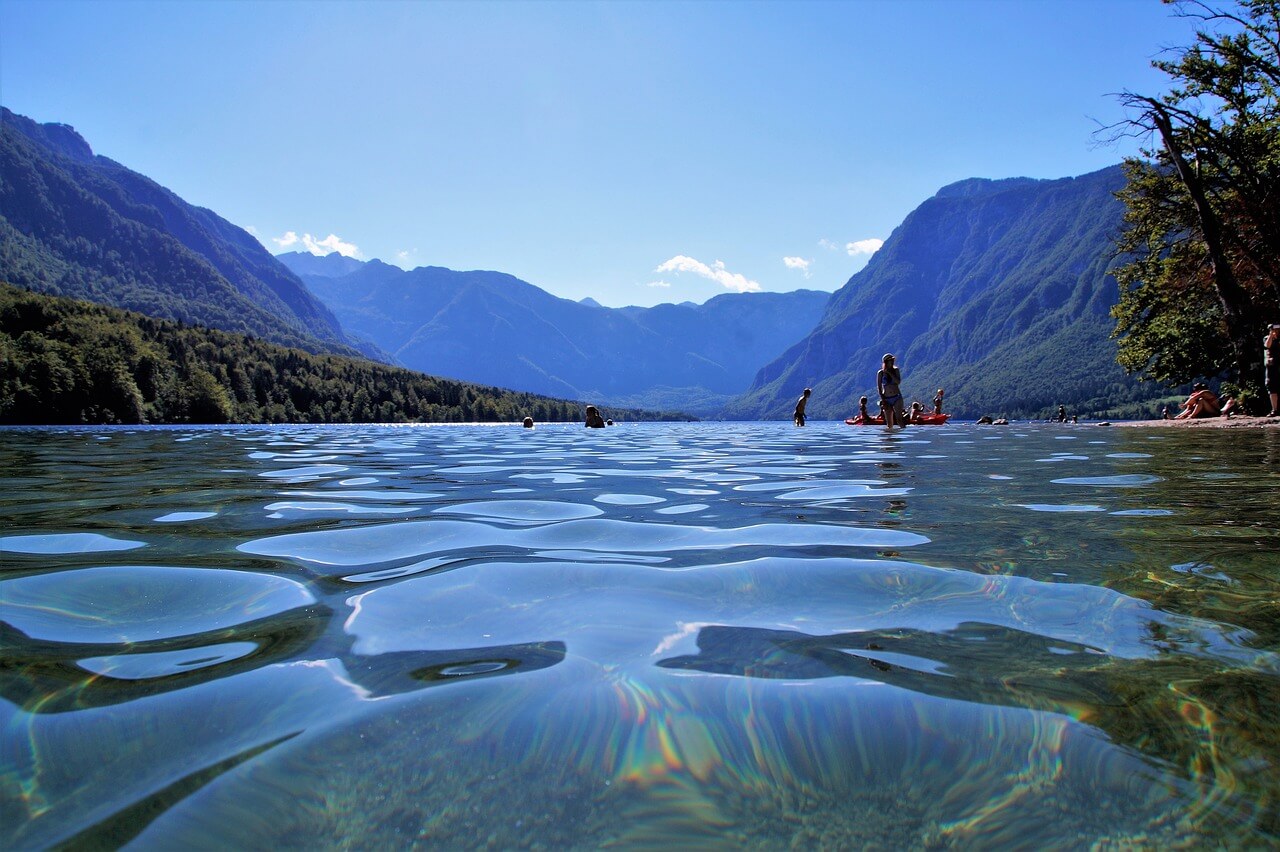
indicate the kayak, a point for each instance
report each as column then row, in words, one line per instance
column 930, row 419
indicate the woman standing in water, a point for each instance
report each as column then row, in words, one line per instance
column 888, row 380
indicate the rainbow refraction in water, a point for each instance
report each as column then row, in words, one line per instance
column 712, row 635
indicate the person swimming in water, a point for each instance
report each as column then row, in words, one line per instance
column 888, row 382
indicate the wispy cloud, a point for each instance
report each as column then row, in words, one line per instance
column 798, row 263
column 663, row 284
column 829, row 245
column 328, row 245
column 868, row 246
column 715, row 272
column 406, row 257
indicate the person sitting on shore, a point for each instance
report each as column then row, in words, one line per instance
column 1231, row 406
column 1202, row 403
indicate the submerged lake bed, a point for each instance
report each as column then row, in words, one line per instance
column 710, row 635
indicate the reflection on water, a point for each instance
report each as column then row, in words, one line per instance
column 708, row 634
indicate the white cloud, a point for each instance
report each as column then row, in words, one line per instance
column 289, row 239
column 664, row 284
column 328, row 245
column 798, row 263
column 715, row 272
column 869, row 246
column 829, row 245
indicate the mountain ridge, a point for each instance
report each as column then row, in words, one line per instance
column 997, row 290
column 489, row 326
column 79, row 224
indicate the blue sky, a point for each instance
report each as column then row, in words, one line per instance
column 636, row 153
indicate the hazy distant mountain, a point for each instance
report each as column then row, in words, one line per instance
column 75, row 224
column 493, row 328
column 996, row 290
column 331, row 265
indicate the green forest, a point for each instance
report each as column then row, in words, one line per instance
column 64, row 361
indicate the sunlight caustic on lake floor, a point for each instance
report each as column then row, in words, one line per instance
column 689, row 634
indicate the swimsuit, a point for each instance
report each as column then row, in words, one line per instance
column 890, row 382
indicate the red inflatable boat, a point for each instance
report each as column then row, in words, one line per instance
column 929, row 419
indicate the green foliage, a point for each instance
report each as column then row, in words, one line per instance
column 65, row 361
column 88, row 228
column 1202, row 242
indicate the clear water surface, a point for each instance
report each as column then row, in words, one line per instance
column 710, row 635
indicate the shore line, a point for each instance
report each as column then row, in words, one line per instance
column 1236, row 421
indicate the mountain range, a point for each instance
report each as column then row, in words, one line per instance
column 998, row 291
column 493, row 328
column 80, row 225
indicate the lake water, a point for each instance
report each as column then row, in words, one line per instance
column 710, row 635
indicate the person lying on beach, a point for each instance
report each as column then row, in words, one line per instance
column 1202, row 403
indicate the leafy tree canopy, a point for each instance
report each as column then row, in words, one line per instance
column 1201, row 277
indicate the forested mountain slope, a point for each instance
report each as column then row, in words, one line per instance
column 998, row 291
column 80, row 225
column 65, row 361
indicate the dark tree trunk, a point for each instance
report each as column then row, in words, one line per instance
column 1232, row 297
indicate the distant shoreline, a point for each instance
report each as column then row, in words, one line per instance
column 1238, row 421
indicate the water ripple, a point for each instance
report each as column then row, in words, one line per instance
column 371, row 544
column 64, row 543
column 140, row 603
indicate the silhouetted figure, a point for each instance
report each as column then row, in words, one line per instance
column 800, row 404
column 1271, row 367
column 594, row 420
column 888, row 385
